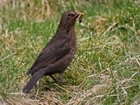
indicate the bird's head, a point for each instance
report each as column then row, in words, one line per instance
column 68, row 18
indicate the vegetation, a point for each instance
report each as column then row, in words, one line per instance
column 106, row 68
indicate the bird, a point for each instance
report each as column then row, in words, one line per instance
column 58, row 53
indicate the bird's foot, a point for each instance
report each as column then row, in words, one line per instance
column 61, row 83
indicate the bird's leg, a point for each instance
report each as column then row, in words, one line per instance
column 60, row 77
column 53, row 78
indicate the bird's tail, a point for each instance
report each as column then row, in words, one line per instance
column 35, row 77
column 30, row 84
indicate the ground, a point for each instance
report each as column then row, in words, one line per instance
column 106, row 67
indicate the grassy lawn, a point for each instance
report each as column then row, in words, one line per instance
column 106, row 67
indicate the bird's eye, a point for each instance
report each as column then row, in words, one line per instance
column 69, row 15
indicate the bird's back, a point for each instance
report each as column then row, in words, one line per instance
column 59, row 51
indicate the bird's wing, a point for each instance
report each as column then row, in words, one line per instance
column 49, row 55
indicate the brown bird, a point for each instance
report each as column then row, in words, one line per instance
column 58, row 53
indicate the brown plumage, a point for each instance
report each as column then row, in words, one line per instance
column 58, row 53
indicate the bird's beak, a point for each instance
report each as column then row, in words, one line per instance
column 80, row 15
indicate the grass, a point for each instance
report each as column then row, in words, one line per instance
column 106, row 68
